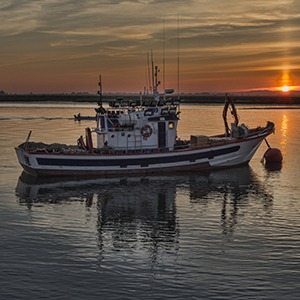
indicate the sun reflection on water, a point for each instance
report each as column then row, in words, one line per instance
column 283, row 130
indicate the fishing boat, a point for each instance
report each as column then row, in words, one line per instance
column 140, row 137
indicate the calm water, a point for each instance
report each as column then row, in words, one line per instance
column 230, row 234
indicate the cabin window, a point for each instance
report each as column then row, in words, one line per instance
column 102, row 122
column 171, row 125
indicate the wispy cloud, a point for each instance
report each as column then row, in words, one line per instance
column 233, row 35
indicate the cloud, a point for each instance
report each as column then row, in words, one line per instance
column 213, row 34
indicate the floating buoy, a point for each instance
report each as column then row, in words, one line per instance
column 273, row 166
column 273, row 155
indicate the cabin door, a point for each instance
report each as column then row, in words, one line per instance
column 161, row 134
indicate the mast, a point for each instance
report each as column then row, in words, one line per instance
column 164, row 69
column 178, row 96
column 148, row 66
column 157, row 82
column 146, row 77
column 152, row 66
column 100, row 90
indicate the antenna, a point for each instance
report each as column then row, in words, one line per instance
column 100, row 90
column 164, row 69
column 146, row 77
column 148, row 66
column 178, row 56
column 152, row 65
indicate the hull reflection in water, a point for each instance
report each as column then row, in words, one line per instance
column 139, row 209
column 236, row 190
column 132, row 213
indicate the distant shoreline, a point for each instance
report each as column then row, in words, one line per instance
column 186, row 98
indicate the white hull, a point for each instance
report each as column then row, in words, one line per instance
column 141, row 138
column 234, row 153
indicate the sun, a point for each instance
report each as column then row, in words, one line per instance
column 285, row 88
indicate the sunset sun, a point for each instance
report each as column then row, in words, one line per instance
column 285, row 88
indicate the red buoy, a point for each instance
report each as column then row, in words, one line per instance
column 273, row 155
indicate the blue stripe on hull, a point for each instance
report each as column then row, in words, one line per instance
column 124, row 162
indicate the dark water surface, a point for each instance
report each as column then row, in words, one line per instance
column 230, row 234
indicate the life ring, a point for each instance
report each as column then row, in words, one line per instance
column 146, row 131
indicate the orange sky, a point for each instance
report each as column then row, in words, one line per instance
column 49, row 46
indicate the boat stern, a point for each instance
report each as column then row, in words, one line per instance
column 20, row 155
column 24, row 160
